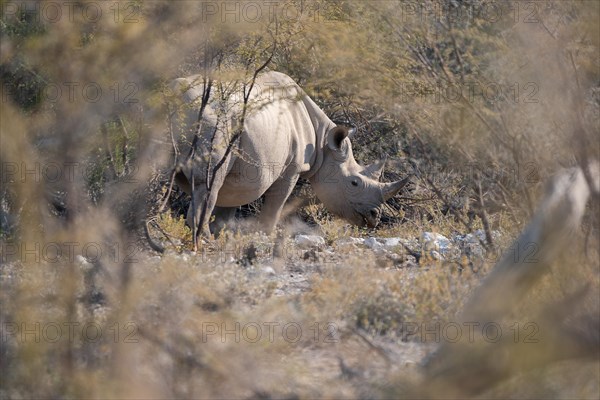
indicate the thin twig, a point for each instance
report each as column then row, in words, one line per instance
column 483, row 215
column 124, row 148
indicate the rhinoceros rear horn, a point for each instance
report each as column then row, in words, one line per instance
column 389, row 190
column 375, row 170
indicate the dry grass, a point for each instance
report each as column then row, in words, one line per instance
column 356, row 312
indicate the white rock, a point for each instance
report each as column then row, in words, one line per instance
column 394, row 256
column 480, row 234
column 476, row 237
column 268, row 271
column 373, row 243
column 440, row 243
column 471, row 243
column 349, row 241
column 433, row 236
column 382, row 244
column 392, row 242
column 308, row 241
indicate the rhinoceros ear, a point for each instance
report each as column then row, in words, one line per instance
column 335, row 139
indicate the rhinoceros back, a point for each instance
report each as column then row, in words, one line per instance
column 282, row 136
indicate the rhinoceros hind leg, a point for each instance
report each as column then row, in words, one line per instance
column 194, row 213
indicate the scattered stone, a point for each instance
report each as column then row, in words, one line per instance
column 430, row 244
column 349, row 242
column 471, row 243
column 392, row 242
column 395, row 257
column 268, row 271
column 373, row 243
column 438, row 243
column 387, row 243
column 309, row 241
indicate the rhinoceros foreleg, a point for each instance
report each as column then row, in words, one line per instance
column 204, row 201
column 275, row 198
column 223, row 218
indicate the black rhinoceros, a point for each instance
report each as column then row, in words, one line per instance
column 285, row 136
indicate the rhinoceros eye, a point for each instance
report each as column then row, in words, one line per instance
column 354, row 182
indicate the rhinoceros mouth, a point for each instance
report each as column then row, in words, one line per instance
column 370, row 218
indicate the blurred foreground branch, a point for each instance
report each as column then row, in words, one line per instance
column 463, row 369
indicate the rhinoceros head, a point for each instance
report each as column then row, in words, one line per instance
column 348, row 189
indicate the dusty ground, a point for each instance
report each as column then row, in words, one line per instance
column 251, row 317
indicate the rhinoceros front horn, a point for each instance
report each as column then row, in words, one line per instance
column 389, row 190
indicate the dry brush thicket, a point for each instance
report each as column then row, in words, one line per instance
column 478, row 102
